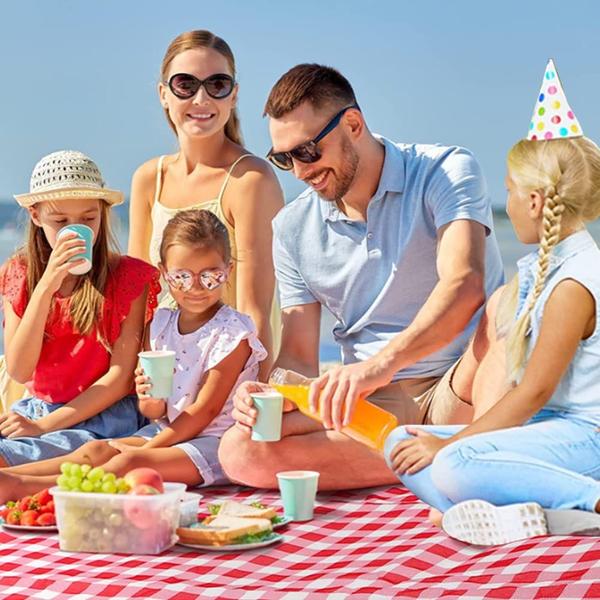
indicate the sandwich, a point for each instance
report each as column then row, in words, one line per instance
column 256, row 510
column 222, row 530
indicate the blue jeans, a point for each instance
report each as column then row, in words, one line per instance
column 553, row 460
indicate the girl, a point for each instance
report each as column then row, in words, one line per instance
column 216, row 349
column 72, row 339
column 213, row 171
column 539, row 444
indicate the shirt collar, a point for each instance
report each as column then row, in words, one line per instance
column 570, row 246
column 391, row 180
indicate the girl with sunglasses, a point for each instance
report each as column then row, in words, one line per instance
column 216, row 349
column 211, row 171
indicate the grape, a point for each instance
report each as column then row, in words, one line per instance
column 63, row 482
column 85, row 469
column 109, row 487
column 65, row 468
column 96, row 474
column 76, row 471
column 74, row 482
column 122, row 485
column 115, row 520
column 97, row 486
column 87, row 486
column 109, row 477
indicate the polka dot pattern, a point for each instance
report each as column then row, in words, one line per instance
column 552, row 115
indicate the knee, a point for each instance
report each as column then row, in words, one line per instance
column 397, row 435
column 124, row 462
column 247, row 462
column 96, row 452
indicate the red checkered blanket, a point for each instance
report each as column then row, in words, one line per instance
column 365, row 544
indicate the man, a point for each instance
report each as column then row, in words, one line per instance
column 395, row 240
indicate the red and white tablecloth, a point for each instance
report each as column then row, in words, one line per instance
column 365, row 544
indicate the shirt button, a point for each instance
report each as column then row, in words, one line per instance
column 370, row 235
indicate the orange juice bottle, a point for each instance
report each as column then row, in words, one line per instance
column 369, row 424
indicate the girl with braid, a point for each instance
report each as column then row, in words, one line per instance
column 530, row 465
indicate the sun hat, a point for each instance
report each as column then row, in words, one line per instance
column 67, row 174
column 553, row 118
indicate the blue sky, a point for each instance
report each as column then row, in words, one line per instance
column 82, row 74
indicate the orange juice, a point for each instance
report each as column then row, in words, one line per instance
column 369, row 425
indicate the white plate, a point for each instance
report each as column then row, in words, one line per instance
column 284, row 521
column 231, row 547
column 29, row 527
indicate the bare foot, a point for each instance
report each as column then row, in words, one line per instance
column 435, row 516
column 14, row 486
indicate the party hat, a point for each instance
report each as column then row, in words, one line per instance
column 552, row 116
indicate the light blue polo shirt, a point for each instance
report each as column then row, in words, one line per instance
column 375, row 276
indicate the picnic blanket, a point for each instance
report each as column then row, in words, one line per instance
column 363, row 544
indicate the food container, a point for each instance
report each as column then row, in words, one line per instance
column 124, row 523
column 189, row 507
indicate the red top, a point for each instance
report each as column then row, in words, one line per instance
column 69, row 362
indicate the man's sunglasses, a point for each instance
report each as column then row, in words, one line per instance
column 182, row 280
column 309, row 151
column 186, row 86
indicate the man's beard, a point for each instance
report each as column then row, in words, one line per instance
column 345, row 174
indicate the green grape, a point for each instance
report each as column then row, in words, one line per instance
column 65, row 468
column 109, row 477
column 74, row 482
column 63, row 482
column 122, row 486
column 96, row 474
column 76, row 471
column 85, row 469
column 109, row 487
column 97, row 486
column 87, row 486
column 115, row 520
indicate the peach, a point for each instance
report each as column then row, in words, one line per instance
column 144, row 476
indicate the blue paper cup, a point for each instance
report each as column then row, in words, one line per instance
column 159, row 365
column 298, row 491
column 86, row 234
column 268, row 422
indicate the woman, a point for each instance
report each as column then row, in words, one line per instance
column 212, row 171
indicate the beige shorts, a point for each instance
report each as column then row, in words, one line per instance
column 426, row 401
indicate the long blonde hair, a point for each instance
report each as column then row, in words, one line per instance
column 567, row 174
column 201, row 38
column 87, row 301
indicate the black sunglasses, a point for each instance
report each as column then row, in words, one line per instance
column 309, row 151
column 186, row 86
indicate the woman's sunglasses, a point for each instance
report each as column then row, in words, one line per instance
column 186, row 86
column 182, row 280
column 309, row 151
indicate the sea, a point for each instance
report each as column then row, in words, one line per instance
column 13, row 221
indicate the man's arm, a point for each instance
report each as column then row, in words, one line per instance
column 446, row 312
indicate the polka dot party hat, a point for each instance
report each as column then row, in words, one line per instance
column 552, row 116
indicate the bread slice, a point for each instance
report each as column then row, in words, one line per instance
column 222, row 529
column 235, row 509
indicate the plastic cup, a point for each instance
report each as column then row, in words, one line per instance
column 86, row 234
column 298, row 491
column 268, row 422
column 158, row 365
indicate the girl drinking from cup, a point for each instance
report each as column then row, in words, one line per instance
column 211, row 170
column 216, row 348
column 74, row 312
column 538, row 447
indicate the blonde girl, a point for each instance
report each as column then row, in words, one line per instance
column 71, row 339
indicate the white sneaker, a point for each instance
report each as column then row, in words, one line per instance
column 483, row 524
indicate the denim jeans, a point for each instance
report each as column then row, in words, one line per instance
column 553, row 460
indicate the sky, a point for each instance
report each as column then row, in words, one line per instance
column 82, row 74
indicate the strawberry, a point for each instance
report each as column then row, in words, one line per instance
column 23, row 504
column 43, row 497
column 46, row 519
column 47, row 508
column 4, row 512
column 14, row 517
column 29, row 517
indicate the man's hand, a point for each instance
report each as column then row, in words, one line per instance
column 412, row 455
column 13, row 425
column 335, row 393
column 243, row 411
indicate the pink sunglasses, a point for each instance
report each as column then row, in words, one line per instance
column 183, row 280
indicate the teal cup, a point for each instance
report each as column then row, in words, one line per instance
column 298, row 491
column 159, row 365
column 268, row 422
column 86, row 234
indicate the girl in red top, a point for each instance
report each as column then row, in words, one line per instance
column 71, row 339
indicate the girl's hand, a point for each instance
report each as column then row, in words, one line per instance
column 13, row 425
column 142, row 387
column 67, row 246
column 122, row 446
column 410, row 456
column 153, row 408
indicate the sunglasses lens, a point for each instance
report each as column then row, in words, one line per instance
column 211, row 280
column 307, row 153
column 218, row 86
column 180, row 280
column 184, row 85
column 282, row 160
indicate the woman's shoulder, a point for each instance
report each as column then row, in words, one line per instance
column 252, row 168
column 145, row 175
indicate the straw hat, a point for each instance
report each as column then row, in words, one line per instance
column 67, row 174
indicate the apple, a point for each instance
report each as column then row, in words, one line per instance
column 144, row 476
column 143, row 490
column 139, row 513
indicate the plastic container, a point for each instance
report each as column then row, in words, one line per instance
column 189, row 508
column 369, row 425
column 123, row 523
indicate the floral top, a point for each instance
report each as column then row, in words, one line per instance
column 70, row 362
